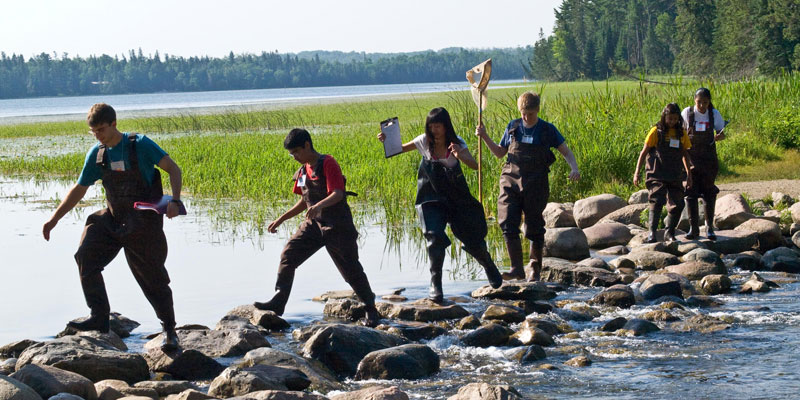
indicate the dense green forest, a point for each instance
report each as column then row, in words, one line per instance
column 594, row 39
column 52, row 75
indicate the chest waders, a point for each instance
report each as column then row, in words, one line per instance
column 664, row 175
column 524, row 189
column 139, row 233
column 705, row 167
column 335, row 231
column 443, row 197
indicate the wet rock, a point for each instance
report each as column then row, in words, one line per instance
column 468, row 322
column 93, row 358
column 782, row 259
column 165, row 388
column 748, row 261
column 488, row 335
column 69, row 396
column 659, row 315
column 394, row 298
column 640, row 236
column 579, row 362
column 189, row 394
column 549, row 327
column 731, row 211
column 49, row 381
column 409, row 361
column 530, row 307
column 528, row 335
column 422, row 310
column 622, row 263
column 529, row 291
column 415, row 331
column 575, row 315
column 701, row 323
column 373, row 393
column 616, row 296
column 704, row 255
column 118, row 323
column 614, row 324
column 652, row 260
column 613, row 251
column 703, row 301
column 769, row 233
column 628, row 215
column 756, row 284
column 235, row 381
column 733, row 241
column 594, row 262
column 278, row 395
column 485, row 391
column 236, row 323
column 696, row 270
column 687, row 246
column 347, row 309
column 671, row 247
column 591, row 209
column 639, row 327
column 322, row 378
column 12, row 389
column 715, row 284
column 566, row 243
column 122, row 388
column 7, row 366
column 188, row 364
column 588, row 276
column 345, row 294
column 508, row 314
column 607, row 234
column 527, row 354
column 340, row 347
column 14, row 349
column 214, row 343
column 656, row 286
column 558, row 216
column 557, row 272
column 265, row 319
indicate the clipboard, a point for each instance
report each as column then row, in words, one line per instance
column 393, row 144
column 159, row 207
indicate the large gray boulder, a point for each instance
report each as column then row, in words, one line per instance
column 189, row 394
column 639, row 327
column 409, row 361
column 347, row 309
column 165, row 388
column 485, row 391
column 415, row 331
column 235, row 381
column 122, row 326
column 528, row 334
column 607, row 234
column 12, row 389
column 216, row 343
column 696, row 270
column 341, row 347
column 566, row 243
column 782, row 259
column 769, row 233
column 656, row 285
column 591, row 209
column 322, row 379
column 49, row 381
column 14, row 349
column 275, row 395
column 795, row 210
column 265, row 319
column 731, row 211
column 703, row 255
column 373, row 393
column 488, row 335
column 515, row 290
column 715, row 284
column 186, row 364
column 505, row 313
column 733, row 241
column 796, row 239
column 628, row 215
column 640, row 197
column 557, row 215
column 652, row 260
column 93, row 358
column 619, row 295
column 590, row 276
column 114, row 389
column 422, row 310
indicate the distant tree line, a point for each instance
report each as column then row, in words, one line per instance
column 597, row 38
column 51, row 75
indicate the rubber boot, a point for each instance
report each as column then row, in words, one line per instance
column 283, row 287
column 514, row 248
column 170, row 342
column 362, row 289
column 652, row 222
column 710, row 203
column 436, row 257
column 94, row 291
column 482, row 256
column 694, row 219
column 535, row 263
column 372, row 317
column 672, row 223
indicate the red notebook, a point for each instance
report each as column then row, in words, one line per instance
column 160, row 207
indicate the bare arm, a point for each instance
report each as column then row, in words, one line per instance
column 74, row 195
column 333, row 198
column 463, row 155
column 295, row 210
column 406, row 146
column 642, row 155
column 687, row 163
column 574, row 174
column 497, row 150
column 175, row 182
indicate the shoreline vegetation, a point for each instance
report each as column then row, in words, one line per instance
column 235, row 160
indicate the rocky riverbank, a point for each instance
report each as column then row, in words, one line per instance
column 599, row 281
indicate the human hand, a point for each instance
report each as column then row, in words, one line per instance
column 688, row 180
column 273, row 226
column 574, row 175
column 636, row 179
column 313, row 212
column 173, row 209
column 480, row 131
column 455, row 149
column 719, row 136
column 381, row 136
column 48, row 226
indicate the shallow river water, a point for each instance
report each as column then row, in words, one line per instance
column 213, row 271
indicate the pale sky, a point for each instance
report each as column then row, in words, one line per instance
column 214, row 28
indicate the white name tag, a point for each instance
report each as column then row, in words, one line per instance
column 301, row 181
column 674, row 143
column 118, row 165
column 701, row 126
column 527, row 139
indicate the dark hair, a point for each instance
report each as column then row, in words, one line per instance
column 440, row 116
column 671, row 108
column 297, row 137
column 704, row 92
column 101, row 113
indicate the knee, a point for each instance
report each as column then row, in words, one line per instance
column 437, row 241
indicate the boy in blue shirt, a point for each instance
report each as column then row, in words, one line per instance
column 125, row 162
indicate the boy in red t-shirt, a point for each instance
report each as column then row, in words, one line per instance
column 328, row 223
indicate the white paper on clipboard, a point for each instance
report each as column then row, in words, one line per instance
column 392, row 145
